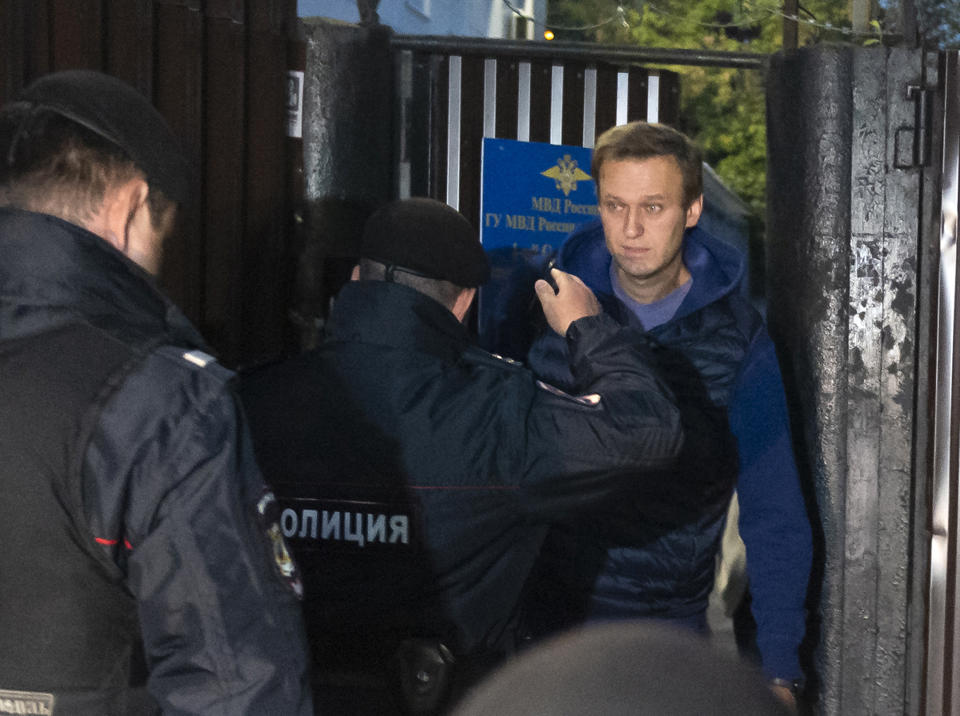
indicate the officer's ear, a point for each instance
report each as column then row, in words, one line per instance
column 355, row 274
column 463, row 302
column 125, row 221
column 119, row 205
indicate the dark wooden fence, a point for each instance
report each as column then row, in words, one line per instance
column 216, row 70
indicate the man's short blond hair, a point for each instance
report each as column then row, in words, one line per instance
column 643, row 140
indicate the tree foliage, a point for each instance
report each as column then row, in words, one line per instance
column 939, row 22
column 722, row 108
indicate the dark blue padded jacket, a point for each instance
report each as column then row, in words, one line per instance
column 399, row 414
column 160, row 505
column 655, row 557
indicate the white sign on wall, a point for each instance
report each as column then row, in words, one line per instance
column 294, row 104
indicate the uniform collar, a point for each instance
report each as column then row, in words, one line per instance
column 396, row 316
column 53, row 272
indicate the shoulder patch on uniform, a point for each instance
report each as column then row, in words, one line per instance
column 591, row 400
column 199, row 358
column 268, row 515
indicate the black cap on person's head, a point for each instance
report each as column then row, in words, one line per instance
column 624, row 668
column 117, row 112
column 428, row 237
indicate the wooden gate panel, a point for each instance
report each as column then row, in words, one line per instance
column 606, row 111
column 471, row 132
column 541, row 78
column 216, row 70
column 439, row 128
column 508, row 85
column 77, row 39
column 129, row 42
column 266, row 264
column 572, row 110
column 177, row 93
column 224, row 105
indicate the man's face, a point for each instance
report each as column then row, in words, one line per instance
column 641, row 208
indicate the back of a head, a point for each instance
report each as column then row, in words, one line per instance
column 624, row 669
column 424, row 244
column 643, row 140
column 70, row 134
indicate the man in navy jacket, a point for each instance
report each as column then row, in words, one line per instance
column 135, row 523
column 418, row 473
column 651, row 267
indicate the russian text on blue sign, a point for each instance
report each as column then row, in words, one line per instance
column 533, row 194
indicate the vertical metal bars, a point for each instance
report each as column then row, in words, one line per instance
column 453, row 132
column 589, row 106
column 511, row 97
column 489, row 98
column 404, row 90
column 943, row 652
column 653, row 98
column 556, row 105
column 623, row 89
column 523, row 103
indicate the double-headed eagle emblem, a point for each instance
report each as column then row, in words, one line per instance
column 566, row 174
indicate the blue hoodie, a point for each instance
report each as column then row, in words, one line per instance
column 654, row 557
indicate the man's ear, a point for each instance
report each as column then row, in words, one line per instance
column 694, row 211
column 355, row 274
column 463, row 302
column 121, row 203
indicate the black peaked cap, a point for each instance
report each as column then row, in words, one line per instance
column 428, row 237
column 117, row 112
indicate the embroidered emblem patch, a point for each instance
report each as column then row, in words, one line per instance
column 25, row 702
column 268, row 512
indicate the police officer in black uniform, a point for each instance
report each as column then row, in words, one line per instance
column 134, row 523
column 416, row 471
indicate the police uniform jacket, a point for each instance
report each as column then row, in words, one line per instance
column 131, row 509
column 417, row 470
column 656, row 558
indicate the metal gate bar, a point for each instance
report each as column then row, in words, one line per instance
column 943, row 652
column 523, row 91
column 577, row 51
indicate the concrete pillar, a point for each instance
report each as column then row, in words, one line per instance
column 848, row 250
column 347, row 154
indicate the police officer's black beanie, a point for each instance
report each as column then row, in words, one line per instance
column 429, row 237
column 117, row 112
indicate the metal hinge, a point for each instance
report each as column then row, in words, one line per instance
column 913, row 143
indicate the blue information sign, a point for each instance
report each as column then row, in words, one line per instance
column 532, row 196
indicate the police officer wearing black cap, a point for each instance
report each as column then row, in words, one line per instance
column 134, row 523
column 416, row 471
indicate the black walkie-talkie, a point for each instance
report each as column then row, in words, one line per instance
column 548, row 277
